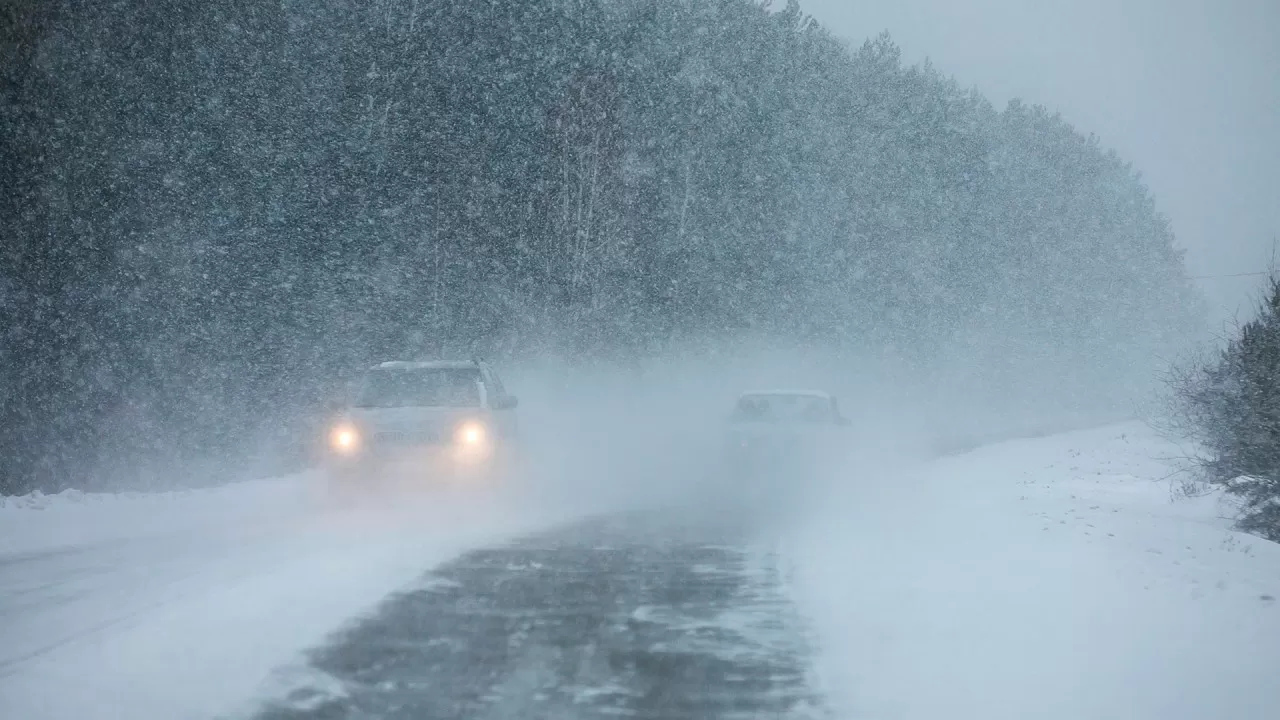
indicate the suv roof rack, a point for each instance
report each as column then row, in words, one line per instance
column 426, row 364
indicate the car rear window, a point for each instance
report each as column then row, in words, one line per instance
column 782, row 408
column 432, row 387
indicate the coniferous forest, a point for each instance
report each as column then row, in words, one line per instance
column 211, row 213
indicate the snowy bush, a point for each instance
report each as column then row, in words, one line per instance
column 1229, row 403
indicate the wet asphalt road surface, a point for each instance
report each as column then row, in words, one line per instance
column 639, row 616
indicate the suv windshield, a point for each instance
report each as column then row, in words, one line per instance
column 435, row 387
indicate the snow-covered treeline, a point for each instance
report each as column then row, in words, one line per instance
column 213, row 212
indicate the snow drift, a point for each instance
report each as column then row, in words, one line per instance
column 1047, row 578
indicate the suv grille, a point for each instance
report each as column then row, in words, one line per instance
column 407, row 437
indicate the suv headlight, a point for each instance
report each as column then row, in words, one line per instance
column 344, row 439
column 471, row 433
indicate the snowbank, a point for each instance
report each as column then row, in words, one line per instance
column 38, row 522
column 1049, row 578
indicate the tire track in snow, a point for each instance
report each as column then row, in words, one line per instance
column 630, row 616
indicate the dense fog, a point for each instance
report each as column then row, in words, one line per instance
column 214, row 216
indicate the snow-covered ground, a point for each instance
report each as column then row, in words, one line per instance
column 1047, row 578
column 180, row 605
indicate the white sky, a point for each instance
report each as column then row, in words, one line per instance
column 1188, row 90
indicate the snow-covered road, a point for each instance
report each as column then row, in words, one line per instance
column 1050, row 578
column 664, row 615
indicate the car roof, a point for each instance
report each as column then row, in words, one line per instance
column 428, row 365
column 790, row 393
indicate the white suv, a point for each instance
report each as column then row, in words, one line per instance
column 424, row 415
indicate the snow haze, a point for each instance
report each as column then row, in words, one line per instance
column 216, row 218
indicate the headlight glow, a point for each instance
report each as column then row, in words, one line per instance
column 344, row 439
column 472, row 433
